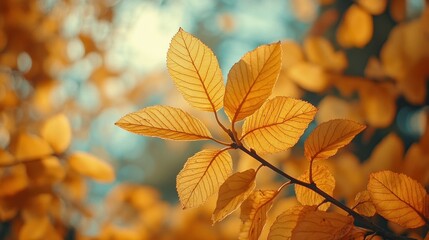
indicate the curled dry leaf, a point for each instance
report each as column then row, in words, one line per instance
column 165, row 122
column 57, row 132
column 233, row 192
column 356, row 28
column 277, row 125
column 323, row 180
column 319, row 225
column 30, row 147
column 363, row 204
column 254, row 213
column 90, row 166
column 330, row 136
column 195, row 71
column 202, row 175
column 398, row 198
column 251, row 81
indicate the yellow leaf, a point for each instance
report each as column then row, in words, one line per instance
column 319, row 225
column 90, row 166
column 35, row 228
column 251, row 81
column 398, row 198
column 195, row 71
column 164, row 122
column 57, row 132
column 375, row 7
column 254, row 213
column 233, row 192
column 291, row 54
column 379, row 105
column 202, row 175
column 321, row 52
column 286, row 222
column 330, row 136
column 310, row 76
column 31, row 147
column 323, row 180
column 356, row 28
column 277, row 125
column 363, row 204
column 13, row 181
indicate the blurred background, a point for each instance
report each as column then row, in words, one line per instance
column 89, row 63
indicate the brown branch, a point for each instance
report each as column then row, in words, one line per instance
column 363, row 221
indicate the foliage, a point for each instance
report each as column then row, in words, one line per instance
column 269, row 126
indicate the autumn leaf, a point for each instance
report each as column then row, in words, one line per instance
column 374, row 7
column 90, row 166
column 202, row 175
column 398, row 198
column 195, row 71
column 31, row 147
column 321, row 52
column 57, row 132
column 319, row 225
column 310, row 76
column 356, row 28
column 363, row 204
column 277, row 125
column 284, row 224
column 330, row 136
column 254, row 213
column 165, row 122
column 251, row 80
column 323, row 179
column 233, row 192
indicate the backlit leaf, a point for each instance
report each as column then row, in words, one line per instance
column 251, row 81
column 323, row 180
column 195, row 71
column 398, row 198
column 286, row 222
column 57, row 132
column 254, row 213
column 233, row 192
column 277, row 125
column 363, row 204
column 202, row 175
column 31, row 147
column 319, row 225
column 90, row 166
column 321, row 52
column 356, row 28
column 330, row 136
column 291, row 54
column 164, row 122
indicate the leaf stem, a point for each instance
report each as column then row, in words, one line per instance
column 365, row 222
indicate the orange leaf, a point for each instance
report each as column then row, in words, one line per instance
column 31, row 147
column 323, row 180
column 251, row 81
column 90, row 166
column 277, row 125
column 375, row 7
column 195, row 71
column 254, row 213
column 319, row 225
column 13, row 181
column 330, row 136
column 164, row 122
column 202, row 175
column 286, row 222
column 356, row 28
column 291, row 54
column 398, row 198
column 321, row 52
column 233, row 192
column 310, row 76
column 57, row 132
column 363, row 204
